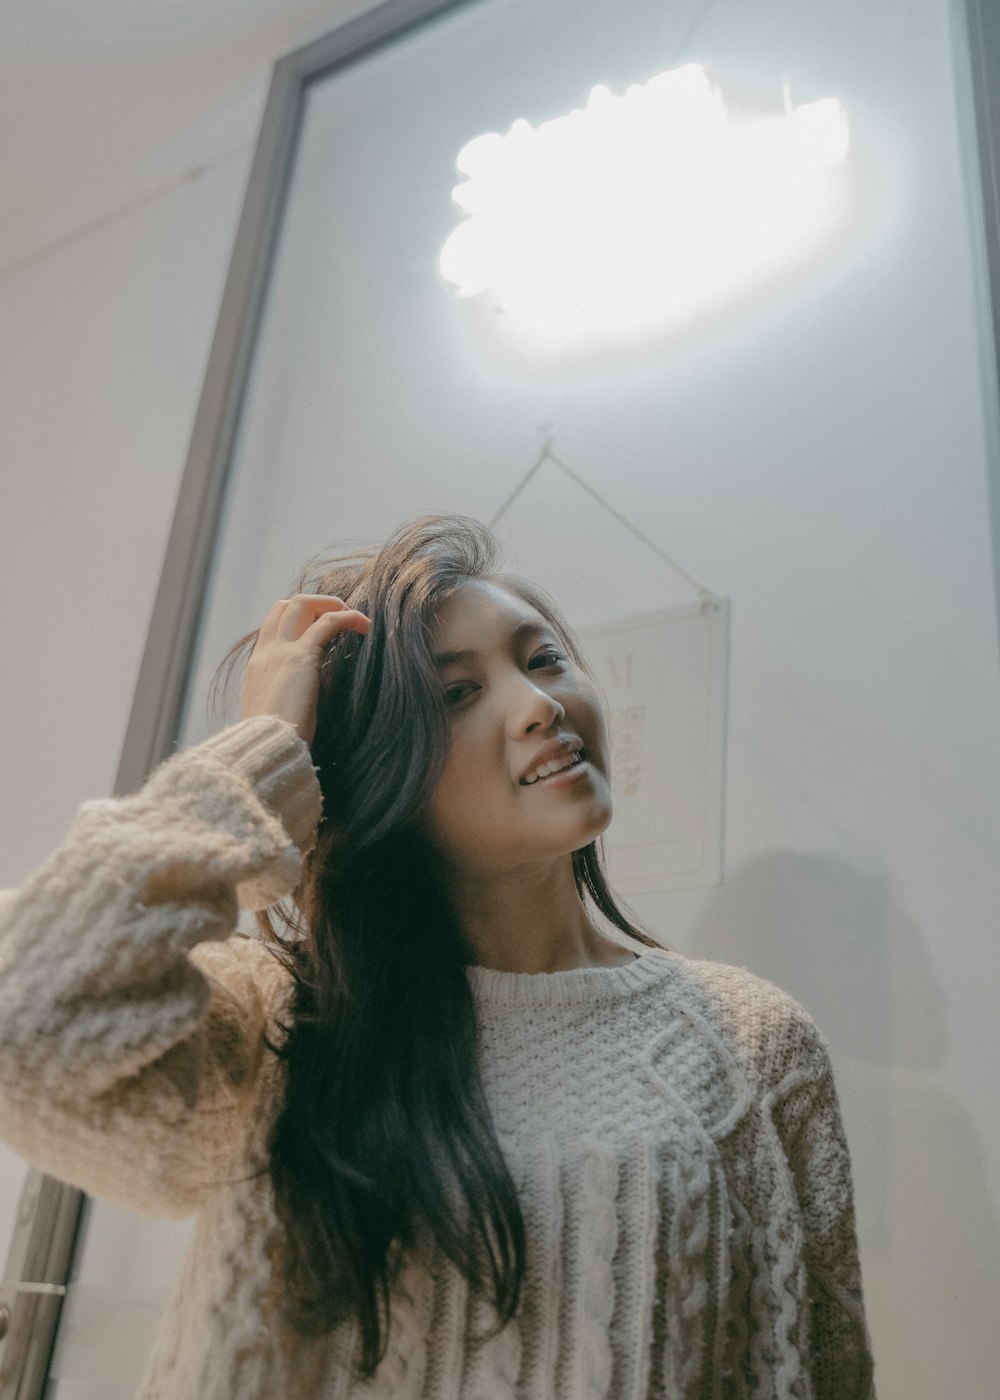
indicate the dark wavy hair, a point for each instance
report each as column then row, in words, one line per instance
column 384, row 1132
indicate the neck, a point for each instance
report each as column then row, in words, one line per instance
column 531, row 920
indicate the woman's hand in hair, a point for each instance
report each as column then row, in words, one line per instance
column 282, row 675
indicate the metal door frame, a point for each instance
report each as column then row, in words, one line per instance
column 982, row 21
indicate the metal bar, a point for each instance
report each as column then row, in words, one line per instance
column 366, row 29
column 37, row 1270
column 983, row 28
column 54, row 1290
column 163, row 674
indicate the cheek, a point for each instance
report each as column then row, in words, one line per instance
column 468, row 766
column 591, row 721
column 599, row 731
column 468, row 791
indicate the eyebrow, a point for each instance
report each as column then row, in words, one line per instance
column 522, row 630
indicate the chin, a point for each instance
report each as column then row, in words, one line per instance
column 596, row 828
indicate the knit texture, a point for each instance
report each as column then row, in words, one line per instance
column 672, row 1127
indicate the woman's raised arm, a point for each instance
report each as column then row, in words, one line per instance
column 132, row 1016
column 131, row 1035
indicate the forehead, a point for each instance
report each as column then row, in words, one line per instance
column 477, row 611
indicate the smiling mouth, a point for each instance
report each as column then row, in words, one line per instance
column 548, row 770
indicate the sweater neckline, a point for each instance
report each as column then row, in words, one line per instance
column 573, row 986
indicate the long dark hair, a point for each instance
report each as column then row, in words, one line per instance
column 384, row 1131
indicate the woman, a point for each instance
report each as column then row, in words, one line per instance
column 443, row 1136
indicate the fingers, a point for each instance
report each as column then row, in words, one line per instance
column 329, row 624
column 299, row 612
column 289, row 618
column 268, row 628
column 282, row 674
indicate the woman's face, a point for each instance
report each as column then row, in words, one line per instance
column 516, row 702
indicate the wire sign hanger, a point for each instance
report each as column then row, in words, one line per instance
column 710, row 601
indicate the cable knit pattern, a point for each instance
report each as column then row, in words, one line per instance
column 589, row 1187
column 672, row 1127
column 736, row 1339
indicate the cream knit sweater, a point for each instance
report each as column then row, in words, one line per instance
column 672, row 1126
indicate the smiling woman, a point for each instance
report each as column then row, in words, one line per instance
column 445, row 1137
column 526, row 779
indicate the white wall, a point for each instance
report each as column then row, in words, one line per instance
column 864, row 761
column 100, row 366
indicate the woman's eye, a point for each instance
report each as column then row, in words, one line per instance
column 455, row 694
column 549, row 656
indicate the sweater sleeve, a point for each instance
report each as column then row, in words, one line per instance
column 808, row 1118
column 132, row 1016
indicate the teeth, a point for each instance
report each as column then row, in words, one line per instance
column 544, row 769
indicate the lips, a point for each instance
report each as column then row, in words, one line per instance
column 553, row 756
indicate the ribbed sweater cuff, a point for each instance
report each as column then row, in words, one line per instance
column 269, row 751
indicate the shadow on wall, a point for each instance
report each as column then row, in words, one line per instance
column 827, row 932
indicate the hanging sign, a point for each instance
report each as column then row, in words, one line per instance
column 665, row 678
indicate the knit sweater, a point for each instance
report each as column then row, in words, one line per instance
column 672, row 1127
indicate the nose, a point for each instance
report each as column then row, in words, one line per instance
column 531, row 708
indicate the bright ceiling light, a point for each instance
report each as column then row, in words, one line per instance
column 636, row 214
